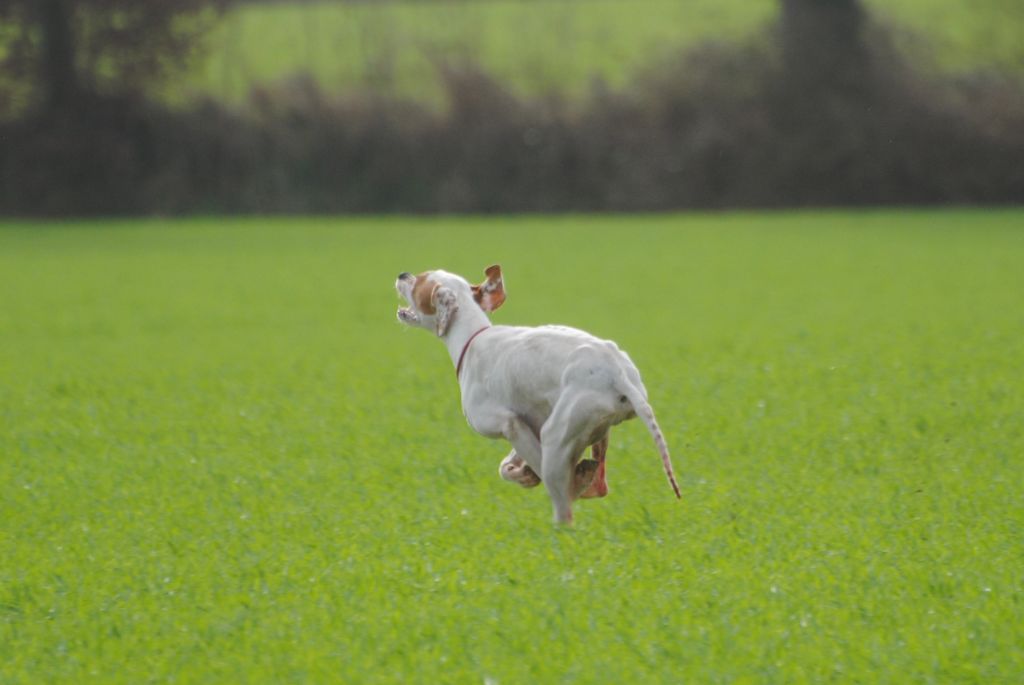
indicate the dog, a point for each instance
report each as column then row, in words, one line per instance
column 551, row 391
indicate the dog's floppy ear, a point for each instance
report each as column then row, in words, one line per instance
column 445, row 303
column 491, row 293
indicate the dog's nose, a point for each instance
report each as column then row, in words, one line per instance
column 404, row 275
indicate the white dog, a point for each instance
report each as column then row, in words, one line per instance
column 550, row 391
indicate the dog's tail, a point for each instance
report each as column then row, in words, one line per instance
column 643, row 409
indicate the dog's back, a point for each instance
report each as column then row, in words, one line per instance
column 529, row 368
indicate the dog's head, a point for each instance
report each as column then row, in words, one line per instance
column 434, row 297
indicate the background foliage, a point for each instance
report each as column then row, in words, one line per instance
column 498, row 106
column 551, row 45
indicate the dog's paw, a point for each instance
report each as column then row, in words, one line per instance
column 588, row 480
column 514, row 469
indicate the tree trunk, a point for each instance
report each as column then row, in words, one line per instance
column 823, row 43
column 58, row 74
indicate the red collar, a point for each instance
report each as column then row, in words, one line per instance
column 462, row 355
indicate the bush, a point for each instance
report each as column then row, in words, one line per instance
column 717, row 127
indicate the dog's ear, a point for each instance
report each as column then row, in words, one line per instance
column 491, row 293
column 445, row 303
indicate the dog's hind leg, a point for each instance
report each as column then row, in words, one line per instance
column 594, row 483
column 576, row 419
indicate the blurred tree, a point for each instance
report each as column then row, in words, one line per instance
column 59, row 50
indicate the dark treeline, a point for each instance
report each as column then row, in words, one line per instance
column 819, row 110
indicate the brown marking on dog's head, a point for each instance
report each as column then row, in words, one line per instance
column 423, row 293
column 491, row 293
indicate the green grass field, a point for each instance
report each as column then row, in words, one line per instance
column 223, row 460
column 554, row 45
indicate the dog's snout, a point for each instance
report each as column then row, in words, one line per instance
column 404, row 275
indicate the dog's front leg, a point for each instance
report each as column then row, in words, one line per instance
column 523, row 463
column 514, row 469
